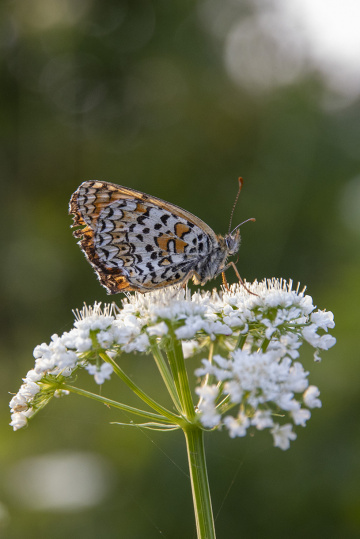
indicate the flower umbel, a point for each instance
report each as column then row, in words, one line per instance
column 251, row 381
column 251, row 378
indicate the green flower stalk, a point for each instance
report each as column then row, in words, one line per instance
column 250, row 377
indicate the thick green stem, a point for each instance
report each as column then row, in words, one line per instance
column 199, row 482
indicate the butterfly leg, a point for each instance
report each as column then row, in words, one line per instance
column 184, row 285
column 190, row 276
column 238, row 276
column 195, row 277
column 225, row 283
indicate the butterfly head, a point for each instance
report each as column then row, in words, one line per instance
column 232, row 242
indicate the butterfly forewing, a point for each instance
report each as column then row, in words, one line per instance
column 136, row 241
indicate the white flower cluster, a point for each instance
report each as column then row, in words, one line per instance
column 275, row 312
column 261, row 385
column 59, row 359
column 262, row 381
column 152, row 315
column 275, row 319
column 281, row 315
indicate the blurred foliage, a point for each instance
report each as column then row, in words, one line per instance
column 137, row 93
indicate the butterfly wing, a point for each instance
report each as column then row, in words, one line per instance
column 136, row 241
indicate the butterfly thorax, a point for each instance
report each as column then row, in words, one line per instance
column 215, row 261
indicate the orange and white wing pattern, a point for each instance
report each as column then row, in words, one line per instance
column 138, row 242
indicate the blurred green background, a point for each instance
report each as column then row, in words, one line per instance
column 178, row 99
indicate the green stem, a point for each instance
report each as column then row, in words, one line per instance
column 178, row 369
column 166, row 375
column 199, row 483
column 141, row 394
column 207, row 376
column 241, row 341
column 115, row 404
column 265, row 344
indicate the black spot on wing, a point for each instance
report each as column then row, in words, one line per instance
column 163, row 274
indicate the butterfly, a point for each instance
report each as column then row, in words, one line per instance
column 139, row 242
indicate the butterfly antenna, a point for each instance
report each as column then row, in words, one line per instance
column 246, row 221
column 241, row 181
